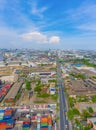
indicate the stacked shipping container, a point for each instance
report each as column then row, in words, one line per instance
column 45, row 123
column 26, row 123
column 6, row 121
column 3, row 91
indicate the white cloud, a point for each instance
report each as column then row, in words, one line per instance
column 88, row 27
column 38, row 37
column 35, row 36
column 54, row 39
column 38, row 11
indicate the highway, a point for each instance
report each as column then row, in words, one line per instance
column 64, row 124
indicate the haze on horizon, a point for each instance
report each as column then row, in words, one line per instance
column 39, row 24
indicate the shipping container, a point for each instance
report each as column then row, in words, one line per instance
column 2, row 128
column 7, row 117
column 26, row 122
column 38, row 129
column 53, row 128
column 44, row 124
column 26, row 125
column 44, row 129
column 9, row 128
column 49, row 127
column 2, row 111
column 25, row 128
column 38, row 126
column 44, row 120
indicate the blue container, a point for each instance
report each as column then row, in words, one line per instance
column 9, row 128
column 11, row 121
column 7, row 117
column 25, row 125
column 38, row 125
column 38, row 129
column 2, row 111
column 49, row 127
column 44, row 126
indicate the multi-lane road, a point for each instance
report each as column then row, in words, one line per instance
column 64, row 124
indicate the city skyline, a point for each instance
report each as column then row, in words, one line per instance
column 53, row 24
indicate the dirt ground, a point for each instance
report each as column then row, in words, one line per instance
column 82, row 106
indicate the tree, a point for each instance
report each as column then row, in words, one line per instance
column 71, row 101
column 37, row 89
column 28, row 85
column 70, row 114
column 76, row 111
column 90, row 109
column 86, row 114
column 94, row 98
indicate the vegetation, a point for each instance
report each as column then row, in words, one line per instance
column 85, row 114
column 82, row 98
column 90, row 110
column 45, row 95
column 28, row 85
column 52, row 80
column 81, row 76
column 76, row 111
column 38, row 87
column 55, row 96
column 17, row 96
column 82, row 61
column 72, row 101
column 94, row 98
column 70, row 114
column 79, row 126
column 73, row 112
column 94, row 77
column 39, row 102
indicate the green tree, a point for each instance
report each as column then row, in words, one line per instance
column 90, row 109
column 70, row 114
column 72, row 101
column 86, row 114
column 37, row 89
column 28, row 85
column 76, row 111
column 94, row 98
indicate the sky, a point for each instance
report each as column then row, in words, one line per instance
column 44, row 24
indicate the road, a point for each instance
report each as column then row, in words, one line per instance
column 64, row 124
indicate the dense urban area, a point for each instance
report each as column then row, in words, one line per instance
column 47, row 90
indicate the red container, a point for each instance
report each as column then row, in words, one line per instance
column 2, row 123
column 26, row 122
column 53, row 128
column 7, row 86
column 9, row 126
column 44, row 129
column 8, row 111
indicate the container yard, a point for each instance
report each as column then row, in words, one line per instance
column 4, row 88
column 6, row 119
column 10, row 97
column 43, row 122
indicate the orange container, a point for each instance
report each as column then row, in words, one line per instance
column 2, row 126
column 49, row 117
column 44, row 120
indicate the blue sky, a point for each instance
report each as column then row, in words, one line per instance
column 42, row 24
